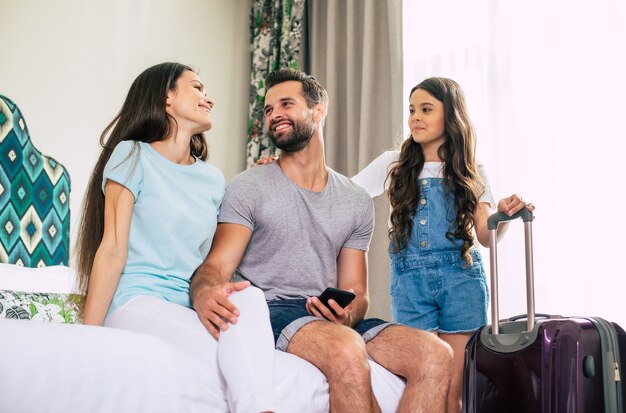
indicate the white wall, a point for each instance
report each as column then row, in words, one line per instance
column 68, row 65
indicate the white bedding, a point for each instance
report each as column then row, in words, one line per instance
column 56, row 279
column 75, row 368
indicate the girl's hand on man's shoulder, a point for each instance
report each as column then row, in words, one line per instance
column 264, row 160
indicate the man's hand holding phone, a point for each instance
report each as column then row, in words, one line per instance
column 332, row 305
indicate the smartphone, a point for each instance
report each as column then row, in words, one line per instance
column 341, row 297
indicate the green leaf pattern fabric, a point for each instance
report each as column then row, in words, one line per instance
column 51, row 308
column 275, row 30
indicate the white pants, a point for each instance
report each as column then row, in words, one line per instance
column 240, row 365
column 235, row 374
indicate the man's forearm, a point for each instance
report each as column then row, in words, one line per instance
column 206, row 276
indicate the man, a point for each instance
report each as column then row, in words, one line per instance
column 295, row 227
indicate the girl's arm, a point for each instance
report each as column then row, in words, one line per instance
column 111, row 255
column 509, row 206
column 372, row 177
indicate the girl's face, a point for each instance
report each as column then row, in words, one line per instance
column 427, row 122
column 189, row 105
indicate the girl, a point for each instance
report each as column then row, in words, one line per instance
column 438, row 195
column 148, row 221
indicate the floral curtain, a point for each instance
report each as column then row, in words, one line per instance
column 275, row 32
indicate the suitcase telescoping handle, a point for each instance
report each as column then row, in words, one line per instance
column 492, row 225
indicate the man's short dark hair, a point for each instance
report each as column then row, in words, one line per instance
column 313, row 92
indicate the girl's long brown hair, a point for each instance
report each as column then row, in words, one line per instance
column 460, row 173
column 141, row 118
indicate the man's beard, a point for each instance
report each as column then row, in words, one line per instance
column 297, row 139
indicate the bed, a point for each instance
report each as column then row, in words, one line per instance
column 50, row 362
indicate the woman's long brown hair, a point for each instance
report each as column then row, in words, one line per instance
column 460, row 173
column 141, row 118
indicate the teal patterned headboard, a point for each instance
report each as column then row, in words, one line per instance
column 34, row 197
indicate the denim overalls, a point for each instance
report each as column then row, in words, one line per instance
column 432, row 287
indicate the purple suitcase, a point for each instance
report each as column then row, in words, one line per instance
column 542, row 364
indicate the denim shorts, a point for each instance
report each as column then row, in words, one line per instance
column 288, row 316
column 439, row 291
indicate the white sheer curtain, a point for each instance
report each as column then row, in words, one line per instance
column 546, row 85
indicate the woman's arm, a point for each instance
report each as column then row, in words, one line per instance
column 111, row 255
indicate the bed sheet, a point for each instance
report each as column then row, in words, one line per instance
column 62, row 368
column 50, row 367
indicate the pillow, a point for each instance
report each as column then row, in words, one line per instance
column 47, row 307
column 54, row 279
column 39, row 294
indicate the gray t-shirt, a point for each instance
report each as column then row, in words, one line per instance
column 297, row 234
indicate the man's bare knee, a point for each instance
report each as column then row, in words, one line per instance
column 440, row 354
column 435, row 360
column 348, row 353
column 411, row 353
column 332, row 348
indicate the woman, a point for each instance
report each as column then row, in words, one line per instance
column 149, row 217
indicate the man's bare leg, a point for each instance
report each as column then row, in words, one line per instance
column 458, row 343
column 340, row 353
column 422, row 359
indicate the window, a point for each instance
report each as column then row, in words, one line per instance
column 546, row 89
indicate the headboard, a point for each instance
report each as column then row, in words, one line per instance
column 34, row 197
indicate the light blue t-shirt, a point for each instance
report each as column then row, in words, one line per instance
column 173, row 220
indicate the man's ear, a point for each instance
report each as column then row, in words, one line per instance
column 319, row 111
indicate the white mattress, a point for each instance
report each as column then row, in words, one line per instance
column 50, row 367
column 74, row 368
